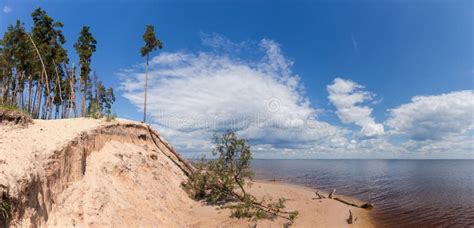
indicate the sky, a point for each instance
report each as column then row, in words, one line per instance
column 298, row 79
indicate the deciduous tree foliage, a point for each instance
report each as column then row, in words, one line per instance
column 222, row 181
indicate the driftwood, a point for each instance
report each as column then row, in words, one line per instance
column 367, row 205
column 351, row 218
column 331, row 195
column 345, row 202
column 319, row 195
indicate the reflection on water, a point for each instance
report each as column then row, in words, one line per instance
column 406, row 193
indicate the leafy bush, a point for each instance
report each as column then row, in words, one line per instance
column 109, row 116
column 5, row 206
column 222, row 181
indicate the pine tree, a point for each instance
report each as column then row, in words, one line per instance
column 85, row 46
column 3, row 69
column 47, row 39
column 151, row 44
column 16, row 64
column 34, row 72
column 100, row 99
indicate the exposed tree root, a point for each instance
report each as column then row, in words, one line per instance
column 187, row 169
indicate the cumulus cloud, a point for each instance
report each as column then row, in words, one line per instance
column 434, row 117
column 193, row 95
column 347, row 96
column 7, row 9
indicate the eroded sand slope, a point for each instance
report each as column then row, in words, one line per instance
column 94, row 173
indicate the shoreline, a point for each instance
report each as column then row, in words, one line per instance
column 302, row 198
column 290, row 184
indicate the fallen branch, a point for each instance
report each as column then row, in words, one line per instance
column 319, row 195
column 277, row 213
column 367, row 205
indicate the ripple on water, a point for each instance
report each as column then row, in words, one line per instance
column 406, row 193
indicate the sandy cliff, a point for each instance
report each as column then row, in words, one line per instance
column 94, row 173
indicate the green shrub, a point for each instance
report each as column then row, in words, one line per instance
column 110, row 117
column 222, row 182
column 14, row 109
column 5, row 206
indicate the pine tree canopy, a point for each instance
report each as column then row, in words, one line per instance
column 151, row 42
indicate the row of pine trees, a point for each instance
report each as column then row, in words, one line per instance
column 37, row 77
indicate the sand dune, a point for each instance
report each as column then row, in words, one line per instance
column 94, row 173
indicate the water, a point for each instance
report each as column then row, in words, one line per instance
column 406, row 193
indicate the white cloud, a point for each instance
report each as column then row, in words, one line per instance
column 434, row 117
column 7, row 9
column 347, row 96
column 193, row 95
column 452, row 146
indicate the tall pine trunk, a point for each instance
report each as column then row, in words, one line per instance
column 58, row 84
column 146, row 88
column 33, row 104
column 7, row 90
column 2, row 82
column 39, row 94
column 83, row 101
column 30, row 84
column 44, row 68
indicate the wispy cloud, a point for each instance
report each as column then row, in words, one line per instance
column 217, row 41
column 7, row 9
column 355, row 45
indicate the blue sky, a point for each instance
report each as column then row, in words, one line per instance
column 386, row 51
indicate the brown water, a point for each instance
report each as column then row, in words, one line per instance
column 406, row 193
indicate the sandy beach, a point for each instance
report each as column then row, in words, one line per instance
column 95, row 173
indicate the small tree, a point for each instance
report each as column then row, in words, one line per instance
column 100, row 100
column 151, row 44
column 223, row 181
